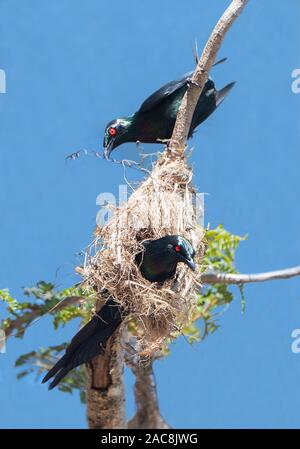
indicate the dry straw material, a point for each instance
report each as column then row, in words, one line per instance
column 162, row 205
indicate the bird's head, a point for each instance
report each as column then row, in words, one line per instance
column 181, row 249
column 158, row 261
column 116, row 133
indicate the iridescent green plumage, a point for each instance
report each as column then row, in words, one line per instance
column 155, row 119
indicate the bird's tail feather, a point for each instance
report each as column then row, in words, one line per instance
column 89, row 342
column 89, row 349
column 222, row 93
column 220, row 61
column 54, row 369
column 62, row 373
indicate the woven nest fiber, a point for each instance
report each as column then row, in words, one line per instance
column 162, row 205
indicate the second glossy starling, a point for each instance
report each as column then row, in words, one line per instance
column 155, row 119
column 157, row 263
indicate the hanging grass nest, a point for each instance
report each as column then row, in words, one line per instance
column 162, row 205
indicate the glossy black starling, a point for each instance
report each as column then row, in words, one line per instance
column 159, row 260
column 157, row 263
column 155, row 120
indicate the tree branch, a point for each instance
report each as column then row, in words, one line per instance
column 147, row 414
column 37, row 311
column 105, row 395
column 231, row 278
column 206, row 278
column 190, row 99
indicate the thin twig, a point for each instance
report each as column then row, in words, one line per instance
column 124, row 162
column 205, row 63
column 228, row 278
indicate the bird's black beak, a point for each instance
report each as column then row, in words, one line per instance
column 108, row 149
column 190, row 263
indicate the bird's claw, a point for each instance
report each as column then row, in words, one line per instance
column 163, row 140
column 190, row 83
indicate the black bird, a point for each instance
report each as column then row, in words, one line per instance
column 155, row 119
column 157, row 263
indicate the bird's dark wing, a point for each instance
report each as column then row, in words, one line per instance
column 88, row 342
column 157, row 97
column 168, row 89
column 221, row 94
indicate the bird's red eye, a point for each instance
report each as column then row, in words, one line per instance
column 177, row 248
column 112, row 132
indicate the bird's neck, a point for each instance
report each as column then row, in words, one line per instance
column 144, row 128
column 131, row 134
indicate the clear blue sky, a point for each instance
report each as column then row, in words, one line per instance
column 71, row 67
